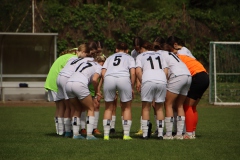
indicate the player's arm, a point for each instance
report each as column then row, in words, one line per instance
column 166, row 72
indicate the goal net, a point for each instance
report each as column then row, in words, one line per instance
column 224, row 73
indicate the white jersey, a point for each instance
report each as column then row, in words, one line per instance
column 185, row 51
column 118, row 65
column 134, row 54
column 175, row 66
column 71, row 65
column 152, row 65
column 85, row 71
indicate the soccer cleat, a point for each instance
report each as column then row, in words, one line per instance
column 149, row 129
column 127, row 138
column 178, row 137
column 83, row 131
column 68, row 134
column 112, row 131
column 78, row 137
column 167, row 137
column 140, row 132
column 155, row 133
column 160, row 138
column 106, row 138
column 186, row 136
column 96, row 131
column 91, row 137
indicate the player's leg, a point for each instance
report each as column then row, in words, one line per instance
column 83, row 121
column 168, row 104
column 180, row 116
column 88, row 102
column 67, row 119
column 113, row 121
column 146, row 124
column 127, row 119
column 96, row 115
column 76, row 118
column 160, row 119
column 107, row 118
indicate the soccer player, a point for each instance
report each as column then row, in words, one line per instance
column 119, row 75
column 77, row 86
column 200, row 83
column 151, row 71
column 51, row 87
column 100, row 59
column 179, row 81
column 63, row 76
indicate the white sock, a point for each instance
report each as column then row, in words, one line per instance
column 175, row 121
column 90, row 123
column 83, row 120
column 169, row 125
column 67, row 124
column 60, row 126
column 193, row 133
column 75, row 125
column 106, row 126
column 189, row 133
column 113, row 121
column 180, row 124
column 56, row 123
column 96, row 115
column 160, row 124
column 126, row 127
column 145, row 127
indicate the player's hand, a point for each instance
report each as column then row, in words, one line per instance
column 96, row 102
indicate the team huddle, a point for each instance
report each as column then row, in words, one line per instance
column 165, row 73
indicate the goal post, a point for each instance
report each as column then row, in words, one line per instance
column 224, row 73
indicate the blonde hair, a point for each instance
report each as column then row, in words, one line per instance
column 100, row 58
column 69, row 51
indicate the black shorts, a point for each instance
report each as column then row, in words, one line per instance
column 199, row 85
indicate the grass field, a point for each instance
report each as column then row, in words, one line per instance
column 29, row 133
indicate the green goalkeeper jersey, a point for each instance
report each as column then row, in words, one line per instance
column 51, row 81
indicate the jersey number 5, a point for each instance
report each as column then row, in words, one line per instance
column 117, row 60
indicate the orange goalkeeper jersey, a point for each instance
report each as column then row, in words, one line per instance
column 192, row 64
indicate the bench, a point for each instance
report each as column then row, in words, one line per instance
column 13, row 88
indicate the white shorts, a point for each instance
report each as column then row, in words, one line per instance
column 153, row 91
column 77, row 89
column 179, row 84
column 122, row 85
column 51, row 96
column 61, row 83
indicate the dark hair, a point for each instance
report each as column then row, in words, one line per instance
column 167, row 47
column 158, row 43
column 99, row 44
column 92, row 45
column 122, row 46
column 172, row 39
column 137, row 43
column 147, row 45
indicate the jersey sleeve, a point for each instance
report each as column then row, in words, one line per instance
column 138, row 62
column 132, row 63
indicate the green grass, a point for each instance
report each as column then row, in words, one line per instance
column 29, row 133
